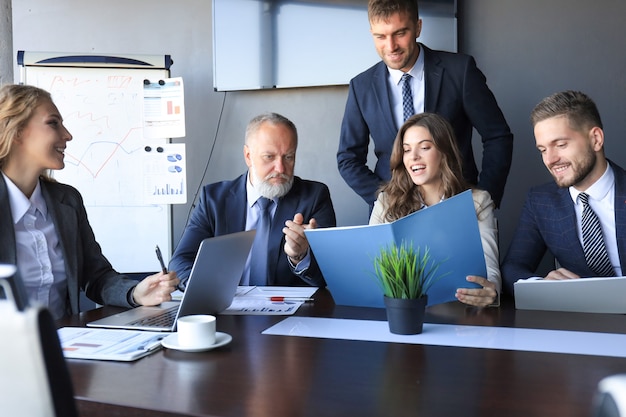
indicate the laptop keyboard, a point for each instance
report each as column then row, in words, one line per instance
column 163, row 319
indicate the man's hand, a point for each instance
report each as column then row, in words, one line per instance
column 296, row 244
column 561, row 273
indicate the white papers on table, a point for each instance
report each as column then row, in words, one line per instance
column 177, row 295
column 584, row 295
column 108, row 344
column 485, row 337
column 258, row 300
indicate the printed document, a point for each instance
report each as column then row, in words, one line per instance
column 108, row 344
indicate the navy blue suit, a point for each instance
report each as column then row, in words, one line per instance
column 455, row 89
column 548, row 222
column 222, row 210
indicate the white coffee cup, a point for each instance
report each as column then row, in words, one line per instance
column 196, row 331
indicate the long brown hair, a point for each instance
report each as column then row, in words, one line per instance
column 402, row 195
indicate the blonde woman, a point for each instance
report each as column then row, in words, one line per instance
column 43, row 224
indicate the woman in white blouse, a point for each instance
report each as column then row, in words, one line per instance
column 426, row 169
column 44, row 228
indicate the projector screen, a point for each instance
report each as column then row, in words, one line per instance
column 298, row 43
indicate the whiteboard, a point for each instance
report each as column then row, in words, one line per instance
column 102, row 108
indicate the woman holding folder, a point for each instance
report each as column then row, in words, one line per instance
column 425, row 170
column 43, row 224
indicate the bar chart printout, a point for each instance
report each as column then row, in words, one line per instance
column 164, row 168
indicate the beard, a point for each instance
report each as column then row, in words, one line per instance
column 269, row 190
column 581, row 168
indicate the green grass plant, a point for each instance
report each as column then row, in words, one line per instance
column 405, row 272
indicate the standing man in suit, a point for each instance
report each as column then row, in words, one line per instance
column 568, row 133
column 231, row 206
column 445, row 83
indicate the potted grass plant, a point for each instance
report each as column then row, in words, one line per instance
column 405, row 274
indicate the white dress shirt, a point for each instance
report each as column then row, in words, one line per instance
column 39, row 254
column 417, row 89
column 602, row 202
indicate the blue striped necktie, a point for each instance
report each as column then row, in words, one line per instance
column 596, row 254
column 407, row 97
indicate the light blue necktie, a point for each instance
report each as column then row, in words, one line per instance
column 407, row 96
column 259, row 251
column 596, row 254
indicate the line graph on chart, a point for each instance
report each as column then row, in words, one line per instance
column 104, row 115
column 102, row 108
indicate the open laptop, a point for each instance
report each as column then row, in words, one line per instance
column 585, row 295
column 211, row 287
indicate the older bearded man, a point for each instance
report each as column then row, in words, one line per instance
column 233, row 206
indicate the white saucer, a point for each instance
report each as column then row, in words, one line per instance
column 221, row 339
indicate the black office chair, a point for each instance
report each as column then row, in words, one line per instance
column 30, row 357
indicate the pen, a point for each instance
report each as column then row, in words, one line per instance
column 282, row 298
column 160, row 257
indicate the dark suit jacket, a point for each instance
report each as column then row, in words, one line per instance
column 85, row 265
column 222, row 210
column 455, row 89
column 548, row 222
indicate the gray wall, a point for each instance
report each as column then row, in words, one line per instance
column 526, row 49
column 6, row 42
column 531, row 49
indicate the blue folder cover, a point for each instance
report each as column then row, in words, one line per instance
column 449, row 229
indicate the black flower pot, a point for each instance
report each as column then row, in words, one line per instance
column 406, row 316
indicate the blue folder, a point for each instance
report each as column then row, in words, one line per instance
column 449, row 230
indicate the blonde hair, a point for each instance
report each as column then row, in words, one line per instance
column 17, row 105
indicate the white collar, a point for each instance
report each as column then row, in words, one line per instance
column 20, row 204
column 598, row 189
column 251, row 193
column 417, row 71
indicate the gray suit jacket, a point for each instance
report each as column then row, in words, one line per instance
column 86, row 267
column 548, row 222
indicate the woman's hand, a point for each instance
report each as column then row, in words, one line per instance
column 155, row 289
column 479, row 297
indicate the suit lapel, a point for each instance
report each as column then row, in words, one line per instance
column 433, row 76
column 620, row 213
column 66, row 225
column 236, row 206
column 8, row 253
column 568, row 225
column 381, row 92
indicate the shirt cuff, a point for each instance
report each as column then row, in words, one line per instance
column 129, row 298
column 303, row 265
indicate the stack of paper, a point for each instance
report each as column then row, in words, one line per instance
column 108, row 344
column 269, row 300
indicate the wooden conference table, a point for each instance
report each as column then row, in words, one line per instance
column 267, row 375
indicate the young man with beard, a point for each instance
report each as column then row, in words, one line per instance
column 231, row 206
column 555, row 217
